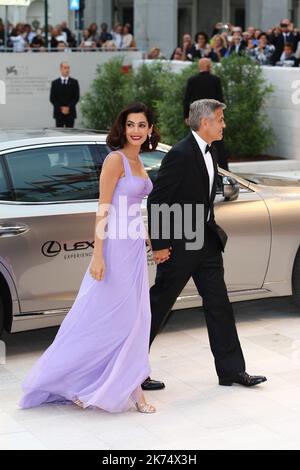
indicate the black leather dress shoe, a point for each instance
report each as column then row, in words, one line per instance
column 243, row 379
column 150, row 384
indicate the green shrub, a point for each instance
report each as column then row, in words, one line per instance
column 107, row 96
column 245, row 92
column 146, row 84
column 169, row 104
column 154, row 84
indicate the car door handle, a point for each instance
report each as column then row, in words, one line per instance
column 7, row 230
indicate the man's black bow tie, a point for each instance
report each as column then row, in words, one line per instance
column 207, row 148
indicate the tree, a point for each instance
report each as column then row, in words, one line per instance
column 169, row 104
column 245, row 93
column 107, row 96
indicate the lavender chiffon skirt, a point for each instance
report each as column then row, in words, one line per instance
column 100, row 353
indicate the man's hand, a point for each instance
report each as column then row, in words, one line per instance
column 65, row 110
column 161, row 256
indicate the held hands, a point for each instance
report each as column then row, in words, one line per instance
column 97, row 268
column 161, row 256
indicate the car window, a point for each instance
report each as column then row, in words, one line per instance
column 59, row 173
column 5, row 193
column 103, row 151
column 152, row 162
column 152, row 159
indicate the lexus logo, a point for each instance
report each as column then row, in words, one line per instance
column 53, row 248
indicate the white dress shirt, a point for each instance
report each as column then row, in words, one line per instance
column 118, row 40
column 208, row 162
column 63, row 79
column 207, row 158
column 237, row 48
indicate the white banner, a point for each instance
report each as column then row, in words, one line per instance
column 15, row 3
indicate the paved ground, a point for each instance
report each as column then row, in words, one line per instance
column 193, row 411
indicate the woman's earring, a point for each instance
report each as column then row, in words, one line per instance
column 150, row 145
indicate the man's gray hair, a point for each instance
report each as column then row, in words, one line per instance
column 203, row 109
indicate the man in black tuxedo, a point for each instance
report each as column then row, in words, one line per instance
column 238, row 44
column 201, row 86
column 188, row 175
column 64, row 96
column 205, row 85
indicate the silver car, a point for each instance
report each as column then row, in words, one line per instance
column 49, row 182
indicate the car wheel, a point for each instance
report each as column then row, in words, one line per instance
column 1, row 317
column 296, row 280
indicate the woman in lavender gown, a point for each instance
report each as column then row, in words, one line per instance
column 99, row 357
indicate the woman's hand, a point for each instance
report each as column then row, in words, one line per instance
column 97, row 268
column 160, row 256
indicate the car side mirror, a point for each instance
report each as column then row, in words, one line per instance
column 231, row 188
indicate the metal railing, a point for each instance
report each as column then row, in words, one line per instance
column 66, row 49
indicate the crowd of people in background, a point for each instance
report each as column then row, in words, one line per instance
column 23, row 38
column 279, row 45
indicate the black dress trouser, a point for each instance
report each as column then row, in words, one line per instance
column 206, row 268
column 65, row 120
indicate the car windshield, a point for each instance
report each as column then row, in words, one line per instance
column 152, row 159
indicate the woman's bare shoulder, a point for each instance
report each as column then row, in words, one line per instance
column 113, row 162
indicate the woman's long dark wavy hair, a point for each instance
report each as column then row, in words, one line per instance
column 116, row 138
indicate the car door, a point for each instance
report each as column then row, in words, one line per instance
column 50, row 222
column 247, row 223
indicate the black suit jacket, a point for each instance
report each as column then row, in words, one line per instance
column 201, row 86
column 183, row 179
column 198, row 54
column 64, row 95
column 242, row 49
